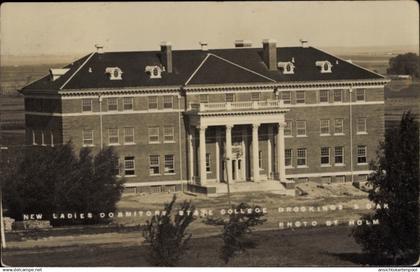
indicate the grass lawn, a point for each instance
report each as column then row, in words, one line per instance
column 123, row 245
column 302, row 247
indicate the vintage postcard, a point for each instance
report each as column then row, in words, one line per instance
column 209, row 134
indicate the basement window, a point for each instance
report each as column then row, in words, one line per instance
column 324, row 65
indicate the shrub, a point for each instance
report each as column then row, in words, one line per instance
column 167, row 234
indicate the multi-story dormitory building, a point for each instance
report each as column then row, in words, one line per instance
column 194, row 119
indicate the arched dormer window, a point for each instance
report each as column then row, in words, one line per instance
column 154, row 71
column 114, row 73
column 287, row 67
column 325, row 66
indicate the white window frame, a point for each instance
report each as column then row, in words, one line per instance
column 127, row 160
column 117, row 136
column 286, row 96
column 364, row 124
column 155, row 165
column 165, row 135
column 208, row 163
column 128, row 101
column 362, row 92
column 169, row 164
column 341, row 179
column 288, row 129
column 341, row 96
column 342, row 126
column 128, row 142
column 204, row 98
column 298, row 127
column 300, row 100
column 288, row 158
column 153, row 100
column 321, row 96
column 260, row 160
column 323, row 126
column 168, row 102
column 85, row 102
column 337, row 151
column 112, row 102
column 362, row 149
column 323, row 156
column 255, row 96
column 230, row 97
column 150, row 135
column 299, row 156
column 84, row 139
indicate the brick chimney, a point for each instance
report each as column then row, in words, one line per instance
column 166, row 55
column 270, row 54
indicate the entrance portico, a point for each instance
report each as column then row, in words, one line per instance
column 238, row 143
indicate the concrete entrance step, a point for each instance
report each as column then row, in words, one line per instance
column 272, row 186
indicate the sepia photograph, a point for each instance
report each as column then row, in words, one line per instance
column 209, row 134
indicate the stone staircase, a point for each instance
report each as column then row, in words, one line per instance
column 272, row 186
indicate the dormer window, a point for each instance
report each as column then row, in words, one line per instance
column 114, row 73
column 57, row 73
column 288, row 67
column 154, row 71
column 324, row 65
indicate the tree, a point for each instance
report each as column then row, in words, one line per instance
column 405, row 64
column 53, row 179
column 237, row 230
column 394, row 183
column 166, row 234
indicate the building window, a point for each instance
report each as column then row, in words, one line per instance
column 204, row 98
column 153, row 102
column 208, row 169
column 303, row 180
column 260, row 159
column 341, row 179
column 338, row 96
column 128, row 103
column 362, row 178
column 116, row 162
column 168, row 102
column 325, row 126
column 339, row 126
column 86, row 105
column 229, row 97
column 286, row 97
column 112, row 104
column 325, row 179
column 87, row 137
column 169, row 164
column 360, row 95
column 300, row 97
column 168, row 135
column 300, row 128
column 154, row 167
column 129, row 135
column 301, row 157
column 288, row 157
column 129, row 166
column 361, row 126
column 325, row 156
column 113, row 138
column 288, row 128
column 324, row 96
column 153, row 135
column 255, row 96
column 361, row 154
column 339, row 155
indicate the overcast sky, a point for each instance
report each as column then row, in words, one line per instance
column 57, row 28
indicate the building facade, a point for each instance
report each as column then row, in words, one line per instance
column 256, row 118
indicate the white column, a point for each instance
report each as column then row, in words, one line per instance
column 280, row 153
column 217, row 155
column 255, row 153
column 243, row 161
column 229, row 153
column 203, row 173
column 191, row 153
column 269, row 152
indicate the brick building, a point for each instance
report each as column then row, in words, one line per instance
column 260, row 118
